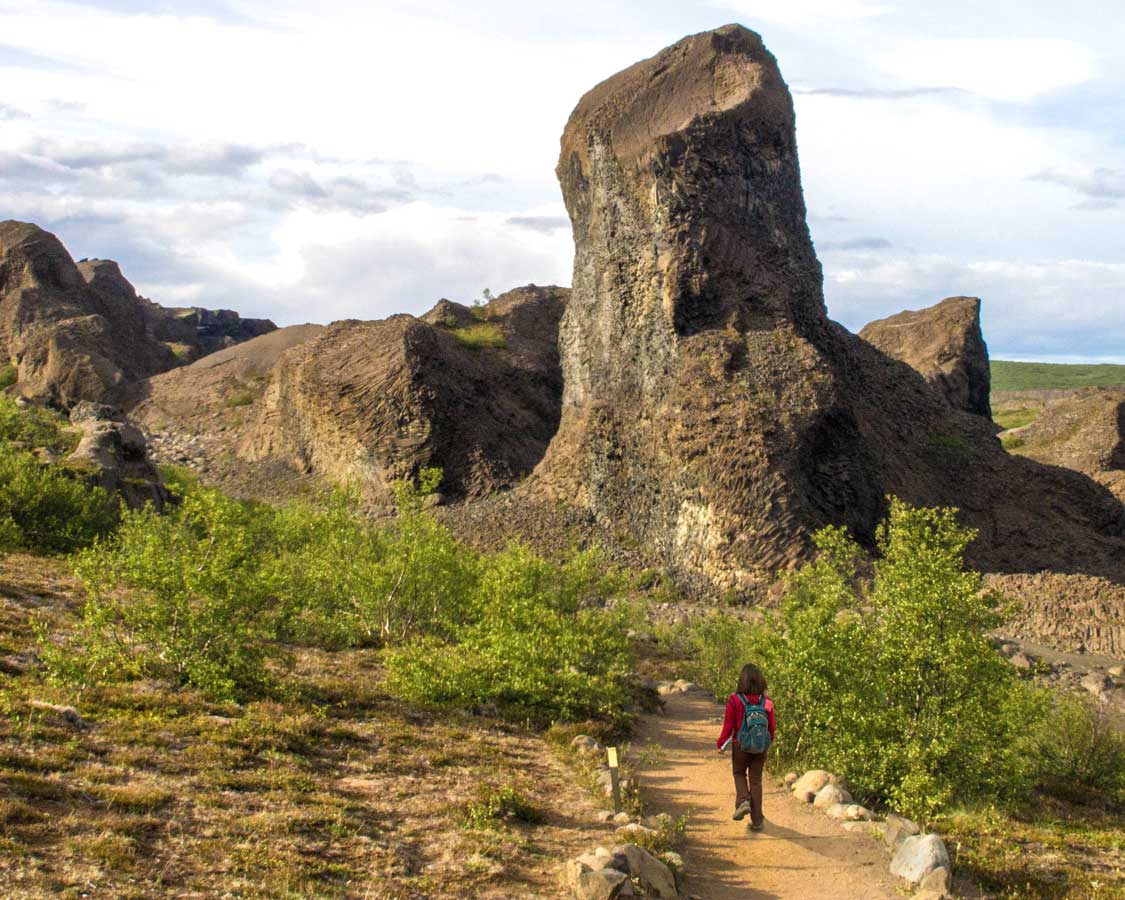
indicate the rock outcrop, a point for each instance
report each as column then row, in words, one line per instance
column 474, row 390
column 1084, row 431
column 113, row 454
column 79, row 332
column 710, row 408
column 370, row 402
column 944, row 343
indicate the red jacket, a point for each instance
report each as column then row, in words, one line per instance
column 733, row 719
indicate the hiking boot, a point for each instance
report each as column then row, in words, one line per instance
column 757, row 826
column 741, row 810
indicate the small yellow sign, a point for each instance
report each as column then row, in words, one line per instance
column 612, row 753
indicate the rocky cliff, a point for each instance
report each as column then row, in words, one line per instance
column 474, row 390
column 945, row 344
column 370, row 402
column 710, row 408
column 79, row 331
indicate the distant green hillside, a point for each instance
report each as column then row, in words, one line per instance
column 1032, row 376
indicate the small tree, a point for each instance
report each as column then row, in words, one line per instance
column 891, row 679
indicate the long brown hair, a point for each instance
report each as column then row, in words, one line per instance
column 751, row 680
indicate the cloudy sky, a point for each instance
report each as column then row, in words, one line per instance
column 309, row 161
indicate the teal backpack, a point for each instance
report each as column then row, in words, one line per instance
column 754, row 733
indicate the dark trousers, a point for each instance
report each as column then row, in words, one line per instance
column 748, row 780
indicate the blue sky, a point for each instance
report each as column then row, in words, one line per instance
column 314, row 161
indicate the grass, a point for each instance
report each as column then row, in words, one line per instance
column 1049, row 851
column 334, row 790
column 1015, row 418
column 481, row 335
column 238, row 398
column 1031, row 376
column 9, row 375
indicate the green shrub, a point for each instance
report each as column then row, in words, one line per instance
column 179, row 597
column 9, row 375
column 531, row 644
column 1081, row 752
column 35, row 427
column 42, row 507
column 503, row 804
column 346, row 582
column 892, row 680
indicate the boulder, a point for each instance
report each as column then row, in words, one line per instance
column 944, row 344
column 791, row 779
column 600, row 884
column 711, row 410
column 655, row 876
column 852, row 812
column 831, row 794
column 810, row 784
column 898, row 829
column 1097, row 683
column 918, row 856
column 585, row 745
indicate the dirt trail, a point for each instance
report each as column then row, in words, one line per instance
column 801, row 854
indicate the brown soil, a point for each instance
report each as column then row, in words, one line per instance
column 801, row 854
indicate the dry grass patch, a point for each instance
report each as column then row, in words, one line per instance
column 334, row 792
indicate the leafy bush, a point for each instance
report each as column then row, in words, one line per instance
column 210, row 592
column 531, row 644
column 42, row 507
column 35, row 427
column 9, row 375
column 891, row 681
column 345, row 582
column 1080, row 750
column 180, row 597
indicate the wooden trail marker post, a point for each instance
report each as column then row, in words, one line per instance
column 614, row 778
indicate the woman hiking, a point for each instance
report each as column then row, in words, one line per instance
column 748, row 728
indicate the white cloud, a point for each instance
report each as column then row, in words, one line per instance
column 348, row 158
column 799, row 13
column 1000, row 68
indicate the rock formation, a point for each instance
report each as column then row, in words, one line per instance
column 197, row 415
column 370, row 402
column 1084, row 431
column 79, row 331
column 475, row 391
column 944, row 343
column 710, row 408
column 114, row 455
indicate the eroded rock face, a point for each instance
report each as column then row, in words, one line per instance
column 710, row 408
column 944, row 343
column 370, row 402
column 79, row 331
